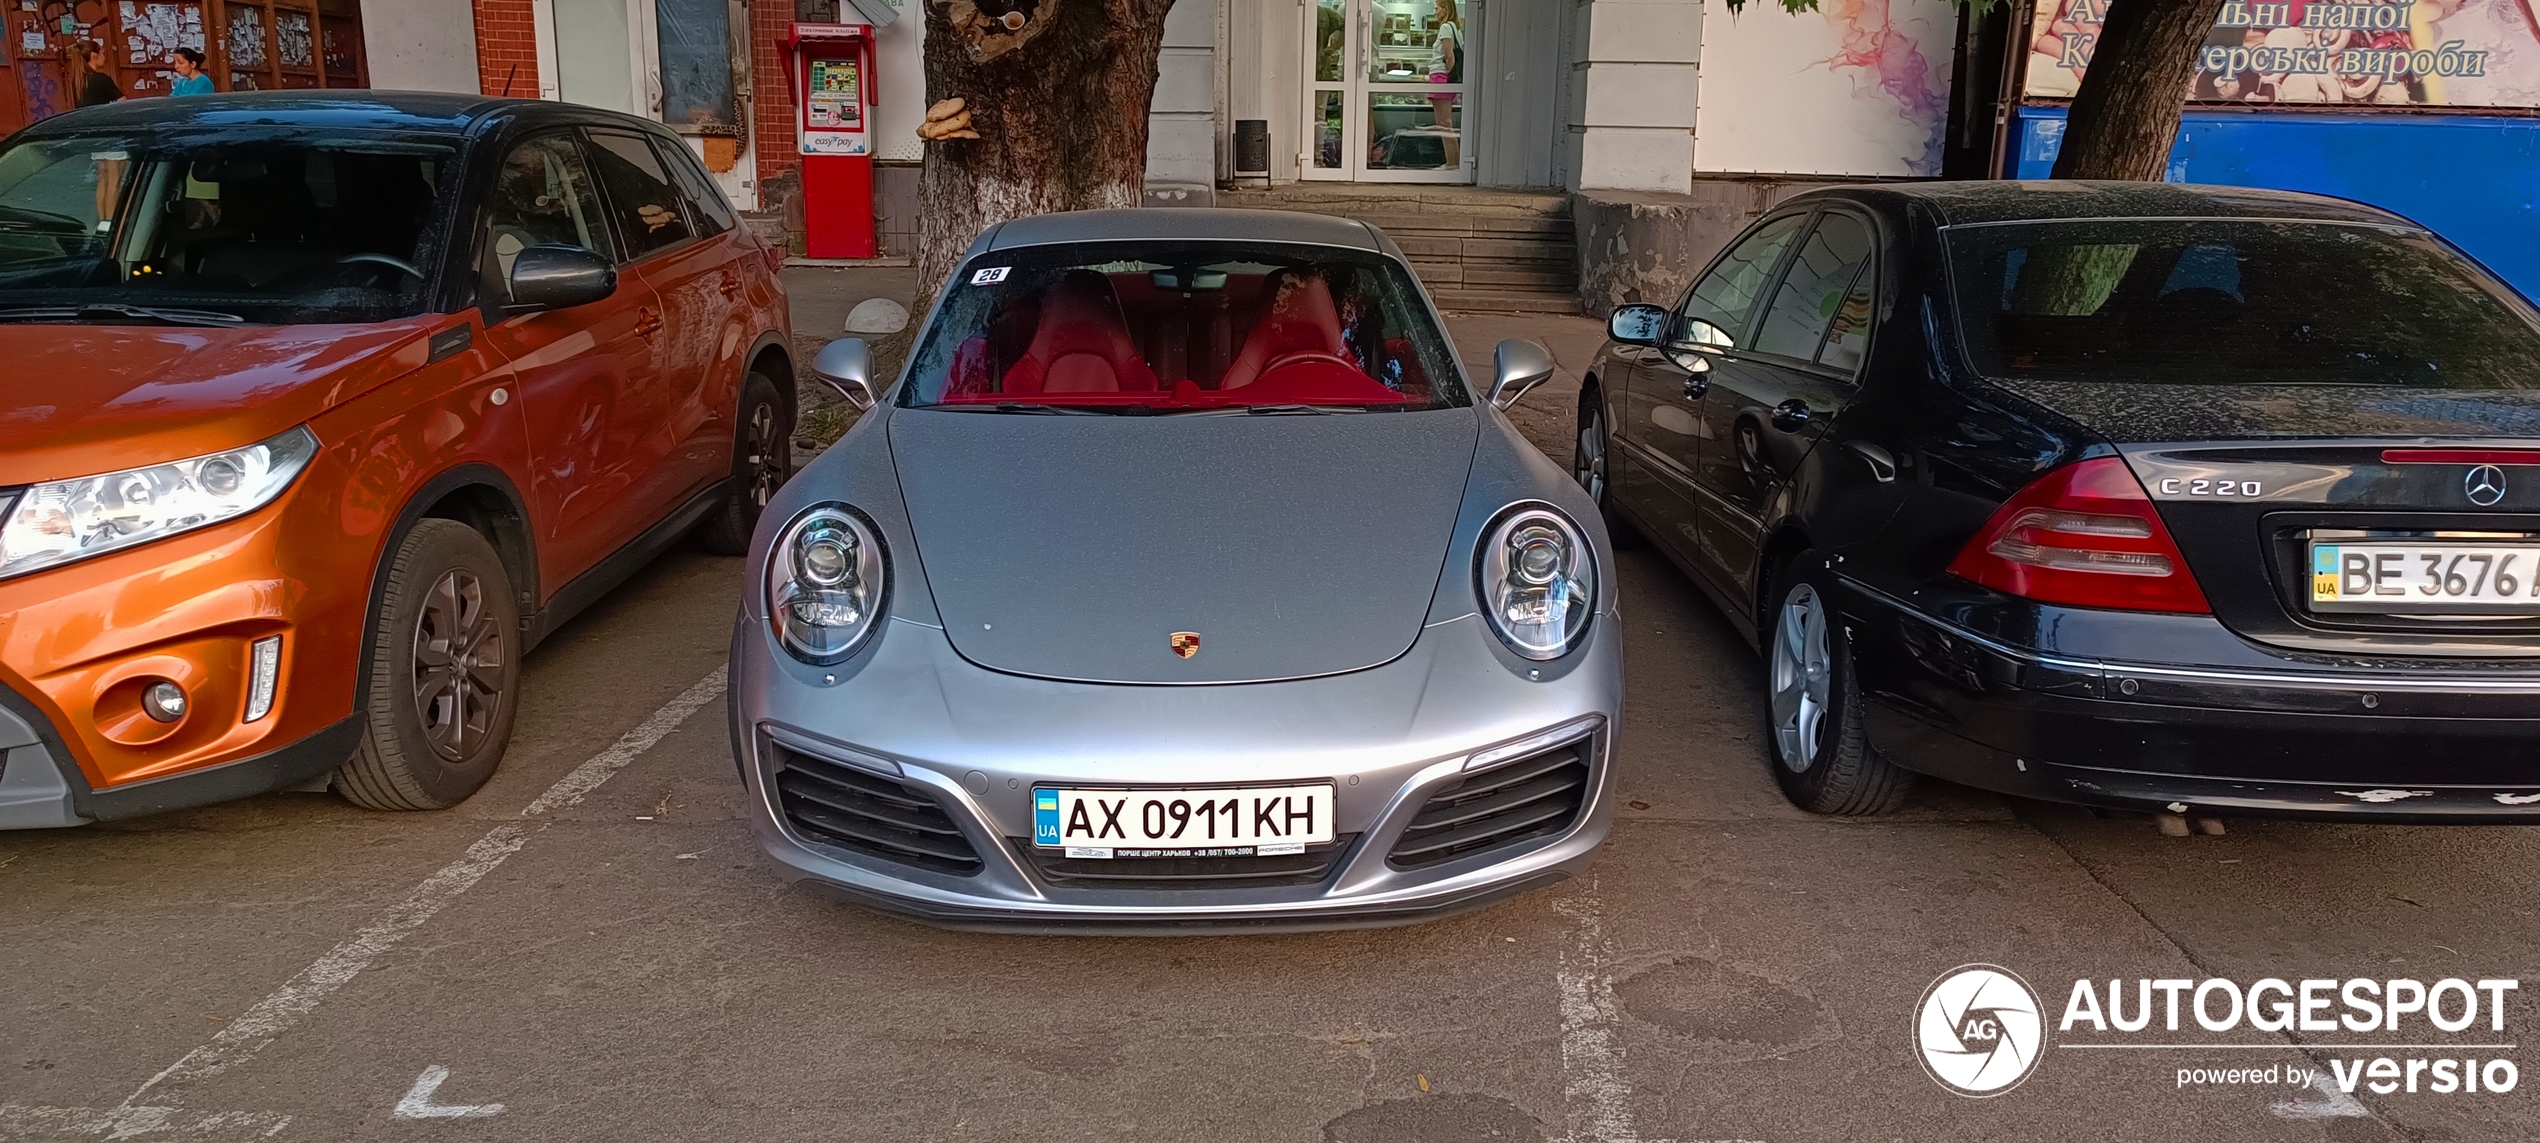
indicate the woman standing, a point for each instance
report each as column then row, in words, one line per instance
column 88, row 75
column 187, row 63
column 1446, row 61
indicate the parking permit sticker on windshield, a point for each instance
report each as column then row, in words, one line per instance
column 990, row 276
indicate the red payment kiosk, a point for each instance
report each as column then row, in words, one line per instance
column 834, row 91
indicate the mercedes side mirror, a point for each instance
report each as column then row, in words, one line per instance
column 846, row 365
column 1519, row 365
column 1636, row 324
column 553, row 277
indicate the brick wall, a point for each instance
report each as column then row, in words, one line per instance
column 771, row 92
column 506, row 39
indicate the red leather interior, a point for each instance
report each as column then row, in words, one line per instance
column 1082, row 345
column 1297, row 317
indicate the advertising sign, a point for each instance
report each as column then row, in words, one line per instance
column 1871, row 77
column 2422, row 53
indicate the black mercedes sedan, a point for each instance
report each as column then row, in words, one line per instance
column 2192, row 500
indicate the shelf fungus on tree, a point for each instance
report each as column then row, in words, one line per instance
column 949, row 119
column 991, row 28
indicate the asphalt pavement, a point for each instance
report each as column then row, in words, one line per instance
column 591, row 948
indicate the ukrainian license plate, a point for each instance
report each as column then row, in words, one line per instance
column 2425, row 577
column 1243, row 821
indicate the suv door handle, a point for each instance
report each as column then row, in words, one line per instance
column 647, row 322
column 731, row 285
column 1791, row 416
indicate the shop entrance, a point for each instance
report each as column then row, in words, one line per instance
column 1386, row 101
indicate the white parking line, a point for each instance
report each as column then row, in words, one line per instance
column 418, row 1101
column 1595, row 1096
column 19, row 1121
column 277, row 1012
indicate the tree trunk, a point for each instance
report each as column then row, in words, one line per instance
column 1057, row 91
column 2125, row 117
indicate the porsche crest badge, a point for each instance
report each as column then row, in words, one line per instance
column 1185, row 643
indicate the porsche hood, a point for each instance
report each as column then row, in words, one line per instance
column 1101, row 548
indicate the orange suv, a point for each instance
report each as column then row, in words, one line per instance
column 330, row 406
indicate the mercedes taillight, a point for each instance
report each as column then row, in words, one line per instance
column 2084, row 535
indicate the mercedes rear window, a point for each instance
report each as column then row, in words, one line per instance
column 2240, row 302
column 1141, row 327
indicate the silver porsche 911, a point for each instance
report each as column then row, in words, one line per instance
column 1182, row 579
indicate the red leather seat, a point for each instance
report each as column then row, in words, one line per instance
column 1081, row 345
column 1298, row 320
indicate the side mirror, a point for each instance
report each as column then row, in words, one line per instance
column 846, row 365
column 551, row 277
column 1636, row 324
column 1518, row 365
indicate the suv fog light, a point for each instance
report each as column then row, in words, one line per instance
column 264, row 668
column 164, row 701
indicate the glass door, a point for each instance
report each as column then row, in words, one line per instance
column 1386, row 93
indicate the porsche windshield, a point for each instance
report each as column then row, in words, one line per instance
column 2197, row 301
column 1173, row 327
column 117, row 229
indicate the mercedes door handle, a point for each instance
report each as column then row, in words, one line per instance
column 1695, row 387
column 1791, row 416
column 1882, row 462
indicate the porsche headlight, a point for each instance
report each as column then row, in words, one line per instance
column 826, row 581
column 1536, row 576
column 65, row 520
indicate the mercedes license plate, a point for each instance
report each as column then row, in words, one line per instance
column 1241, row 821
column 2425, row 577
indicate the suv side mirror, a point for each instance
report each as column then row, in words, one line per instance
column 1636, row 324
column 1518, row 365
column 553, row 277
column 846, row 365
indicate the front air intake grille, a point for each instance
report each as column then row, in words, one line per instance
column 1536, row 796
column 864, row 812
column 1307, row 868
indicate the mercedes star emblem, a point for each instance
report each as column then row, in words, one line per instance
column 2485, row 485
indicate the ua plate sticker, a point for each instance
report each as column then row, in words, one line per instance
column 1045, row 817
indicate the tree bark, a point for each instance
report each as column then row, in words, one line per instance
column 2125, row 117
column 1058, row 92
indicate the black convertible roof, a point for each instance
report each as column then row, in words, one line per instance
column 1963, row 203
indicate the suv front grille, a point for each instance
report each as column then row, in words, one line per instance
column 863, row 812
column 1307, row 868
column 1533, row 797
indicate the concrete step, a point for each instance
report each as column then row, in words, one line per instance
column 1488, row 275
column 1477, row 250
column 1470, row 248
column 1491, row 302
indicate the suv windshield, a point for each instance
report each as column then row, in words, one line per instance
column 2191, row 301
column 114, row 229
column 1141, row 327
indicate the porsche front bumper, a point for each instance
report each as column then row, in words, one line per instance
column 933, row 761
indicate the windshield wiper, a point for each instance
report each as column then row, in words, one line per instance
column 116, row 309
column 1300, row 410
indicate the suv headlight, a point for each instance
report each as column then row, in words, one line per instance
column 827, row 580
column 1536, row 576
column 65, row 520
